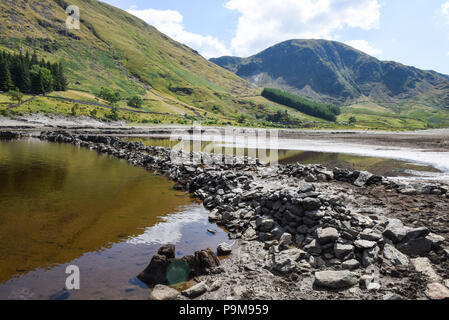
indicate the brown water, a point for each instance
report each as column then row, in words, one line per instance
column 379, row 166
column 61, row 205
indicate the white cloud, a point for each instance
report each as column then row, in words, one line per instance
column 170, row 22
column 445, row 9
column 262, row 24
column 364, row 46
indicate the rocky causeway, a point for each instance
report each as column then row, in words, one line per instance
column 300, row 231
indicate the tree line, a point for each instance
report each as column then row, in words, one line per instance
column 29, row 74
column 315, row 109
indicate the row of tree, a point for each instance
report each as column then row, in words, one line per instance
column 29, row 74
column 319, row 110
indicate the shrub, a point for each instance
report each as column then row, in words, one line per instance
column 135, row 102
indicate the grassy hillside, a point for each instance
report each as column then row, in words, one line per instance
column 117, row 50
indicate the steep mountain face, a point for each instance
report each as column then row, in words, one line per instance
column 333, row 72
column 115, row 49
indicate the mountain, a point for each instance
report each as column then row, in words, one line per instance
column 330, row 71
column 117, row 50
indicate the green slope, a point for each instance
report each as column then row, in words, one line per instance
column 119, row 51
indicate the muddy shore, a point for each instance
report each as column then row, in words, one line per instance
column 346, row 235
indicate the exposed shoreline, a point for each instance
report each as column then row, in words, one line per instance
column 291, row 241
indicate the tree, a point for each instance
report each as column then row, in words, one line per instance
column 111, row 96
column 5, row 75
column 15, row 95
column 135, row 102
column 352, row 120
column 41, row 80
column 241, row 118
column 114, row 112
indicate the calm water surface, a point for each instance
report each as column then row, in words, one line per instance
column 61, row 205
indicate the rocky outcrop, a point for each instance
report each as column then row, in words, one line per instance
column 164, row 268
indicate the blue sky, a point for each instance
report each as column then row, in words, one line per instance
column 413, row 32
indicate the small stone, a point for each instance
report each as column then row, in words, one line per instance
column 396, row 257
column 215, row 286
column 224, row 249
column 350, row 264
column 249, row 235
column 286, row 240
column 395, row 230
column 239, row 291
column 392, row 297
column 313, row 247
column 370, row 235
column 436, row 291
column 342, row 250
column 365, row 244
column 417, row 233
column 327, row 235
column 335, row 279
column 370, row 256
column 161, row 293
column 416, row 247
column 196, row 290
column 435, row 239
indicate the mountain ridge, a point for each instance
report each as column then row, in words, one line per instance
column 330, row 71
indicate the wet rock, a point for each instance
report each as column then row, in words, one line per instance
column 436, row 291
column 168, row 251
column 265, row 224
column 224, row 249
column 395, row 230
column 335, row 279
column 195, row 291
column 163, row 270
column 396, row 257
column 161, row 293
column 327, row 235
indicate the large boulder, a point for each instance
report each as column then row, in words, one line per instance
column 164, row 270
column 335, row 279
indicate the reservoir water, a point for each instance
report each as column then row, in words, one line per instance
column 61, row 205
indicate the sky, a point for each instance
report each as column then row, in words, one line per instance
column 413, row 32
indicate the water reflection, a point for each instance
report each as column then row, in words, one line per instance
column 62, row 205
